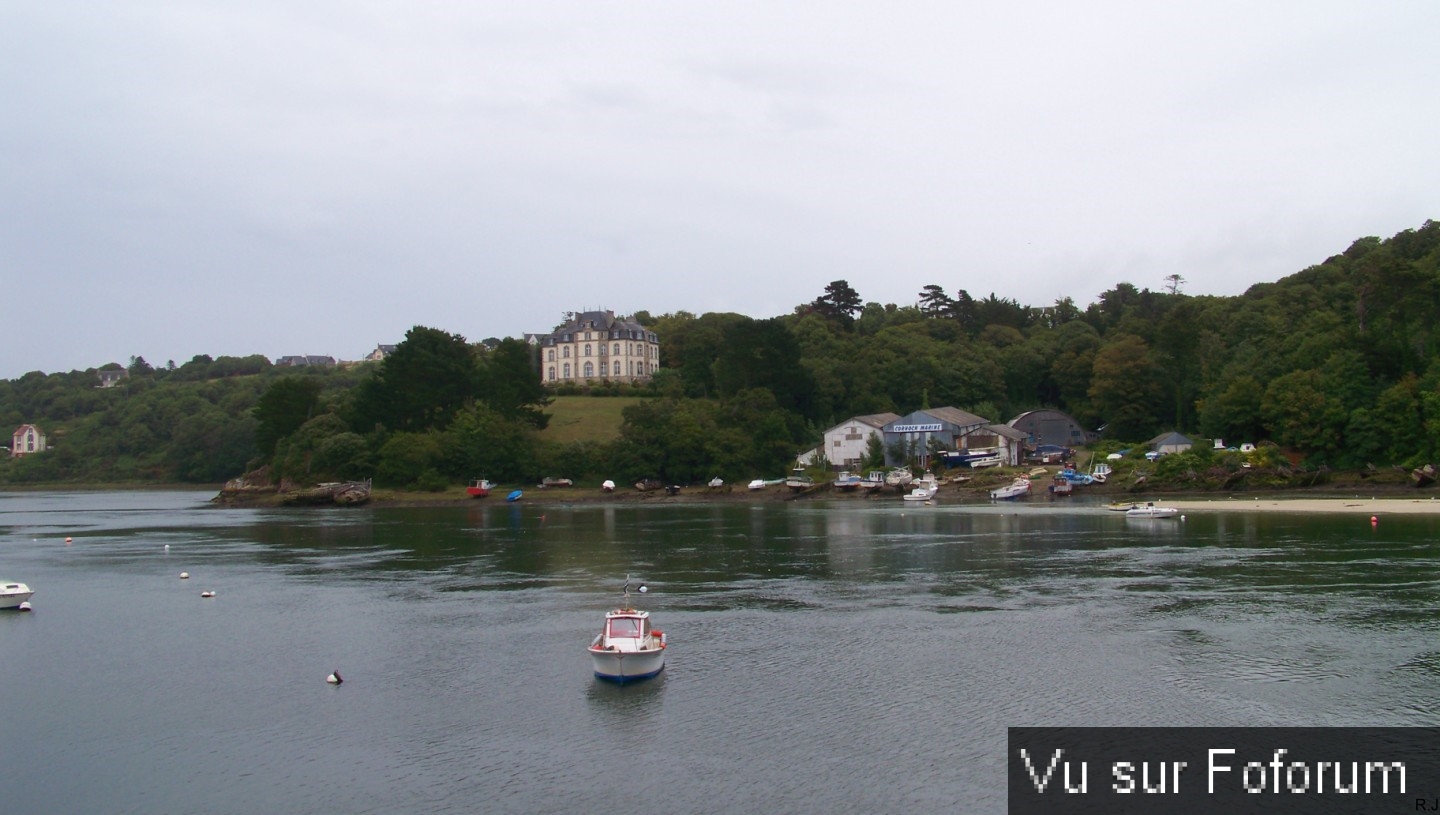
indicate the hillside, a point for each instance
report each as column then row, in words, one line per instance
column 585, row 418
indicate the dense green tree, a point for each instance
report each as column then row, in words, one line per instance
column 1126, row 388
column 420, row 386
column 839, row 302
column 510, row 383
column 287, row 404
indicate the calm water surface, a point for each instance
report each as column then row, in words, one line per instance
column 854, row 656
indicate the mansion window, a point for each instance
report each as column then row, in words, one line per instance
column 604, row 368
column 617, row 349
column 552, row 369
column 565, row 352
column 552, row 357
column 567, row 370
column 589, row 369
column 587, row 349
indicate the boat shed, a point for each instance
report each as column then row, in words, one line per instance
column 1050, row 426
column 911, row 438
column 847, row 443
column 1171, row 442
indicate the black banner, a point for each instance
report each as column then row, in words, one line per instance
column 1229, row 770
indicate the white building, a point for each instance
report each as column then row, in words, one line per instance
column 846, row 444
column 26, row 440
column 597, row 346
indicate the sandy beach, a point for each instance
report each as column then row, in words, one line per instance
column 1353, row 505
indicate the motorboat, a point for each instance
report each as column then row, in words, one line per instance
column 1061, row 486
column 1100, row 472
column 899, row 477
column 762, row 483
column 1149, row 510
column 848, row 481
column 479, row 488
column 798, row 480
column 1015, row 489
column 12, row 595
column 924, row 488
column 1121, row 506
column 627, row 648
column 874, row 481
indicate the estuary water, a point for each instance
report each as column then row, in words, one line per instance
column 825, row 657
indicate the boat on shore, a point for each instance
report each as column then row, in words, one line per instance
column 798, row 480
column 899, row 477
column 479, row 488
column 924, row 488
column 14, row 595
column 628, row 648
column 1060, row 486
column 1015, row 489
column 848, row 481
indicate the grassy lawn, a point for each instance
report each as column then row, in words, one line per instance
column 585, row 418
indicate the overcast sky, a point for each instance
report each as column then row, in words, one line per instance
column 282, row 177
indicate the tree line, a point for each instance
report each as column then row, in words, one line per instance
column 1337, row 363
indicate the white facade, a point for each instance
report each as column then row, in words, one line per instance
column 597, row 346
column 26, row 440
column 847, row 443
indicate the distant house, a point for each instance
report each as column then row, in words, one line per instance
column 595, row 346
column 110, row 377
column 301, row 361
column 25, row 440
column 1171, row 442
column 1049, row 426
column 380, row 352
column 847, row 443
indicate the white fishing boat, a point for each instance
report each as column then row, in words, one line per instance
column 874, row 481
column 1149, row 510
column 13, row 594
column 627, row 648
column 847, row 481
column 899, row 477
column 1015, row 489
column 798, row 480
column 924, row 488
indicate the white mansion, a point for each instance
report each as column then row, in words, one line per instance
column 596, row 345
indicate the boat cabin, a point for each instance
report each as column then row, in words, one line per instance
column 626, row 630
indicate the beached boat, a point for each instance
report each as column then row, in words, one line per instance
column 1121, row 506
column 848, row 481
column 874, row 481
column 899, row 477
column 1100, row 472
column 627, row 648
column 798, row 480
column 1149, row 510
column 924, row 488
column 761, row 483
column 479, row 488
column 1061, row 486
column 514, row 496
column 12, row 595
column 1018, row 488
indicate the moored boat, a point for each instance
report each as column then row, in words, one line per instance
column 627, row 648
column 1149, row 510
column 13, row 594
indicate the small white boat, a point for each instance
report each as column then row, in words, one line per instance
column 848, row 481
column 1100, row 472
column 798, row 480
column 627, row 648
column 13, row 594
column 1015, row 489
column 899, row 477
column 874, row 481
column 925, row 488
column 1149, row 510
